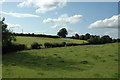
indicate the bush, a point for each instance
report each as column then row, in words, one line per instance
column 36, row 45
column 47, row 45
column 87, row 36
column 82, row 37
column 64, row 43
column 94, row 40
column 13, row 48
column 69, row 44
column 51, row 45
column 114, row 40
column 106, row 39
column 118, row 40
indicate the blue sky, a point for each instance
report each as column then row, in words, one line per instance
column 85, row 17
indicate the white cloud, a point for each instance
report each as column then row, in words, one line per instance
column 55, row 26
column 113, row 32
column 106, row 23
column 70, row 31
column 64, row 19
column 43, row 6
column 1, row 1
column 13, row 25
column 19, row 15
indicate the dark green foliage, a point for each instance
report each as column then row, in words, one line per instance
column 7, row 35
column 47, row 45
column 82, row 37
column 100, row 40
column 69, row 44
column 118, row 40
column 12, row 48
column 64, row 43
column 94, row 40
column 51, row 45
column 35, row 35
column 62, row 33
column 114, row 40
column 87, row 36
column 73, row 37
column 36, row 45
column 76, row 36
column 106, row 39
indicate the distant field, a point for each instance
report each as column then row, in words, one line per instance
column 88, row 61
column 29, row 40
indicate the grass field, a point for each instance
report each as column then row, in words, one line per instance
column 29, row 40
column 88, row 61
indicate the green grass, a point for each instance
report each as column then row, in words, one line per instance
column 29, row 40
column 88, row 61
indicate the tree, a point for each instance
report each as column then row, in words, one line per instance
column 87, row 36
column 76, row 36
column 94, row 40
column 82, row 37
column 106, row 39
column 7, row 36
column 62, row 33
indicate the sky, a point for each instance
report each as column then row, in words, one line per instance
column 43, row 17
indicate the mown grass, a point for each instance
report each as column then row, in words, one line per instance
column 88, row 61
column 29, row 40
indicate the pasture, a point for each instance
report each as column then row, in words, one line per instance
column 29, row 40
column 87, row 61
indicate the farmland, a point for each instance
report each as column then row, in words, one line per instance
column 88, row 61
column 29, row 40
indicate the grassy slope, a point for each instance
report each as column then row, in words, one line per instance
column 29, row 40
column 63, row 62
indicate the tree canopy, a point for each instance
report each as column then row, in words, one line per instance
column 7, row 36
column 62, row 33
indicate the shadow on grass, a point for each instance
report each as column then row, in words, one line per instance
column 47, row 63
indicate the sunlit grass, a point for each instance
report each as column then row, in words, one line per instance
column 88, row 61
column 29, row 40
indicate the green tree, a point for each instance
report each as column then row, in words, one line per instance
column 94, row 39
column 87, row 36
column 76, row 36
column 7, row 35
column 62, row 33
column 106, row 39
column 82, row 37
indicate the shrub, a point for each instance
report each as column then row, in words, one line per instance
column 118, row 40
column 82, row 37
column 47, row 45
column 51, row 45
column 87, row 36
column 94, row 40
column 106, row 39
column 13, row 48
column 36, row 45
column 69, row 44
column 114, row 40
column 64, row 43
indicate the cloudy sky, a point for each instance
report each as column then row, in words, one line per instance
column 43, row 17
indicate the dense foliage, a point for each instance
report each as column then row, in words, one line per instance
column 7, row 35
column 12, row 48
column 62, row 33
column 36, row 45
column 36, row 35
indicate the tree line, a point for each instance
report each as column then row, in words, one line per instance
column 8, row 37
column 95, row 39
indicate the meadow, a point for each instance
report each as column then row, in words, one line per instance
column 41, row 40
column 86, row 61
